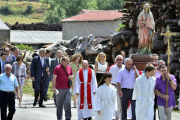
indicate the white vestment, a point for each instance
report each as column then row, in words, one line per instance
column 144, row 95
column 106, row 102
column 85, row 112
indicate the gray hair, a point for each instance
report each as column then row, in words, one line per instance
column 42, row 49
column 126, row 59
column 85, row 61
column 7, row 66
column 160, row 61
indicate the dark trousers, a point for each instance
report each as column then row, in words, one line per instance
column 7, row 99
column 47, row 86
column 127, row 95
column 40, row 88
column 89, row 118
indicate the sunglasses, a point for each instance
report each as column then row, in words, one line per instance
column 6, row 51
column 8, row 68
column 118, row 59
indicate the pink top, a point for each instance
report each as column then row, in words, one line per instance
column 62, row 79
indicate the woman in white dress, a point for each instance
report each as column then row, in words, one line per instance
column 105, row 100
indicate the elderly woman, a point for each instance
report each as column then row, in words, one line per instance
column 101, row 66
column 19, row 70
column 76, row 64
column 146, row 29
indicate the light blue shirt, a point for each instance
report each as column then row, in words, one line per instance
column 8, row 84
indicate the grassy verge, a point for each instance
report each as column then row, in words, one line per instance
column 30, row 91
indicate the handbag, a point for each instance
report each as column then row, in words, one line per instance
column 69, row 81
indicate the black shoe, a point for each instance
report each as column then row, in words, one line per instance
column 46, row 99
column 34, row 104
column 68, row 119
column 42, row 106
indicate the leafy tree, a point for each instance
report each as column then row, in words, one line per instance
column 24, row 47
column 109, row 4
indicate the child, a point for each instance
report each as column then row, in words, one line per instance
column 105, row 101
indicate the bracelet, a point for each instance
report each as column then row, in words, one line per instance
column 162, row 96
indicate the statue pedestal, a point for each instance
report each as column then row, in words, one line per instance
column 140, row 61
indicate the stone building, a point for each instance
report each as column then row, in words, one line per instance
column 4, row 32
column 101, row 23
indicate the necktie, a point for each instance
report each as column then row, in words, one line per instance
column 3, row 64
column 59, row 61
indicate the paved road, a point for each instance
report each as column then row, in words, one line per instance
column 48, row 113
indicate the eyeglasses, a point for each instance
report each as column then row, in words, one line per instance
column 118, row 59
column 6, row 51
column 8, row 68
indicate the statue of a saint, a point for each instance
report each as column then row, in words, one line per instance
column 146, row 29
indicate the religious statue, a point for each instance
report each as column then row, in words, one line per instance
column 146, row 29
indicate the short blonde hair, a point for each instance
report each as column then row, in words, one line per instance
column 101, row 53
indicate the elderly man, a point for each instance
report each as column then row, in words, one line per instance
column 160, row 90
column 54, row 62
column 114, row 70
column 61, row 76
column 39, row 68
column 8, row 83
column 126, row 80
column 85, row 88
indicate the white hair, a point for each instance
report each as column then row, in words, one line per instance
column 118, row 56
column 128, row 59
column 8, row 65
column 160, row 61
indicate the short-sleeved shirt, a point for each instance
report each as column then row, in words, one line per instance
column 62, row 79
column 161, row 87
column 127, row 78
column 8, row 83
column 114, row 70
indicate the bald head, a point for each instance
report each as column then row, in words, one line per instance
column 8, row 69
column 85, row 64
column 59, row 54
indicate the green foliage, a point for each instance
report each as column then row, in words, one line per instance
column 28, row 9
column 120, row 26
column 6, row 10
column 24, row 47
column 109, row 4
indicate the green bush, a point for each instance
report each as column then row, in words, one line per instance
column 28, row 9
column 24, row 47
column 6, row 10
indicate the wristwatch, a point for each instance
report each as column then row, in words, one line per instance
column 161, row 95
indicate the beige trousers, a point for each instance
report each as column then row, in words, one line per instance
column 119, row 112
column 162, row 112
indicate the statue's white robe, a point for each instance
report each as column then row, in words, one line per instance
column 144, row 95
column 85, row 112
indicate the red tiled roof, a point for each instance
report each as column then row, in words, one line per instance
column 96, row 16
column 88, row 10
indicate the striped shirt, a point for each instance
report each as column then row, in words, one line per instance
column 19, row 72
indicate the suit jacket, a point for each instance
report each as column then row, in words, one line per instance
column 6, row 62
column 54, row 63
column 11, row 58
column 37, row 68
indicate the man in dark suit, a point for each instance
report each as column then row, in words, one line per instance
column 10, row 58
column 39, row 69
column 3, row 62
column 54, row 62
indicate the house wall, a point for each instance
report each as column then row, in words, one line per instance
column 80, row 29
column 4, row 34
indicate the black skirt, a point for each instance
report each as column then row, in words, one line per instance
column 99, row 77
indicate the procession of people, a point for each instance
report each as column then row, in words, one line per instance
column 98, row 91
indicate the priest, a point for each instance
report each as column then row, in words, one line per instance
column 144, row 94
column 85, row 88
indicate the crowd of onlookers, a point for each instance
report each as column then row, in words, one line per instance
column 68, row 75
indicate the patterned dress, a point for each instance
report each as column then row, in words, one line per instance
column 75, row 69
